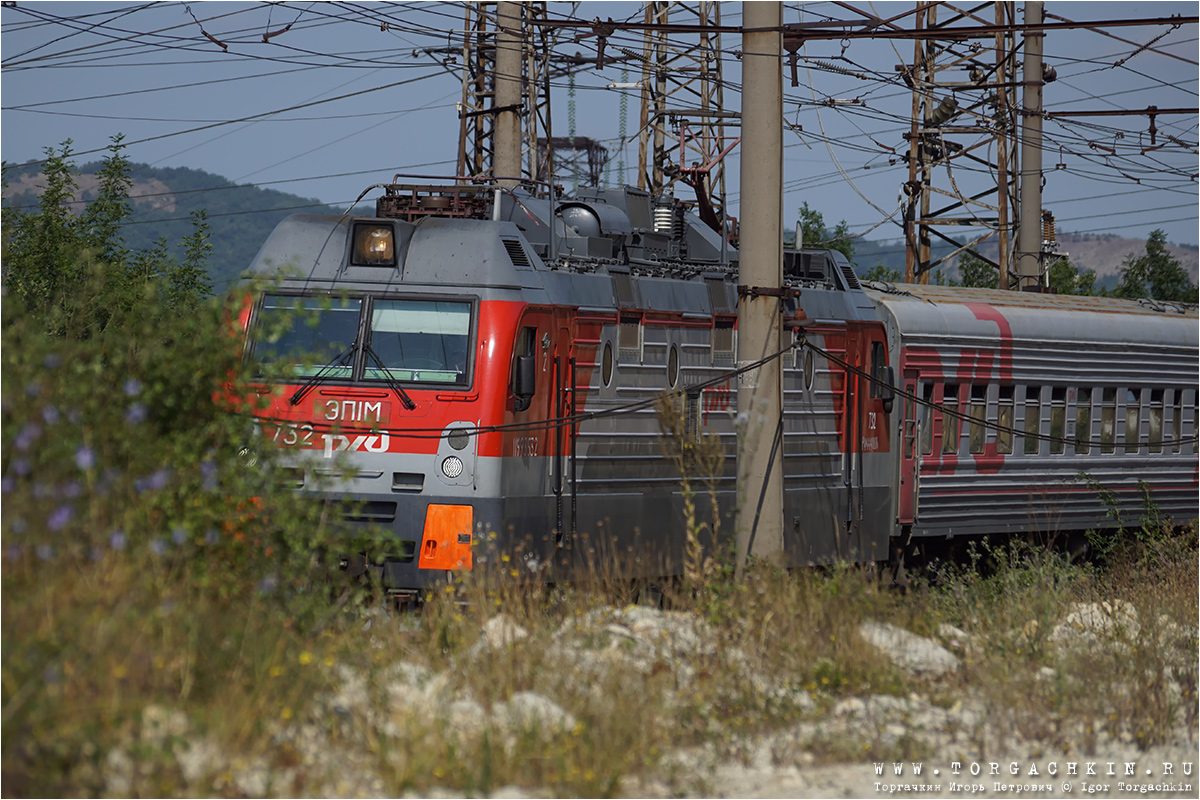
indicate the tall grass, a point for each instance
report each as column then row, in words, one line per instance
column 168, row 627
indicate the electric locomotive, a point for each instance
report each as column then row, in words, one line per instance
column 476, row 368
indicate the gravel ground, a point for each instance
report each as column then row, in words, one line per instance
column 975, row 752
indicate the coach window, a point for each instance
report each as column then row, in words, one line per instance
column 1108, row 420
column 1083, row 422
column 1155, row 441
column 951, row 424
column 1133, row 419
column 878, row 362
column 1195, row 422
column 978, row 415
column 926, row 417
column 606, row 364
column 1177, row 421
column 1033, row 418
column 1004, row 436
column 1058, row 420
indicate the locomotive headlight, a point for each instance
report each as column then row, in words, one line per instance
column 452, row 467
column 374, row 245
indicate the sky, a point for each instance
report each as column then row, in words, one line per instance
column 323, row 100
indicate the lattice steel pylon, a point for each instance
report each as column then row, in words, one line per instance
column 683, row 116
column 477, row 110
column 984, row 75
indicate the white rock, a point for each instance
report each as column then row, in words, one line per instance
column 253, row 780
column 909, row 651
column 532, row 711
column 159, row 724
column 1094, row 623
column 118, row 772
column 465, row 717
column 500, row 631
column 197, row 759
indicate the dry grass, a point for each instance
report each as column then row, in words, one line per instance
column 118, row 670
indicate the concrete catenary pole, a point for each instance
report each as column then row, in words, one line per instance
column 760, row 451
column 506, row 159
column 1029, row 229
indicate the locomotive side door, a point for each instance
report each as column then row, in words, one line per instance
column 906, row 511
column 561, row 439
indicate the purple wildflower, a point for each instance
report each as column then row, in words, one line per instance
column 208, row 473
column 117, row 540
column 50, row 415
column 21, row 466
column 158, row 480
column 268, row 584
column 8, row 484
column 136, row 413
column 45, row 552
column 19, row 525
column 28, row 435
column 85, row 458
column 12, row 552
column 211, row 536
column 52, row 361
column 132, row 387
column 95, row 553
column 41, row 491
column 72, row 490
column 179, row 536
column 158, row 547
column 59, row 518
column 33, row 388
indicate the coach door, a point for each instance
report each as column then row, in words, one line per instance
column 910, row 437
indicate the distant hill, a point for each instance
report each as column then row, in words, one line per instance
column 241, row 217
column 1104, row 253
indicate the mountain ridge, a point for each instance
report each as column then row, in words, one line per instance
column 242, row 216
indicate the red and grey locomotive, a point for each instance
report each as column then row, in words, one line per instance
column 475, row 365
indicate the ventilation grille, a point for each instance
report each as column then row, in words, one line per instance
column 516, row 253
column 851, row 278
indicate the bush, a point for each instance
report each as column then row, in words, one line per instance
column 144, row 560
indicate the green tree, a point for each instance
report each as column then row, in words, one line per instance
column 74, row 273
column 977, row 273
column 100, row 223
column 188, row 280
column 1156, row 274
column 815, row 234
column 42, row 247
column 879, row 272
column 1065, row 278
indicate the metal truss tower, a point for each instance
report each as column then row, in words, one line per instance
column 683, row 116
column 478, row 111
column 964, row 134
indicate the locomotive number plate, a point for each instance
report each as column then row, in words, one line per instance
column 347, row 410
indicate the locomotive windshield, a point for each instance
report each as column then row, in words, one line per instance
column 423, row 341
column 309, row 334
column 418, row 340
